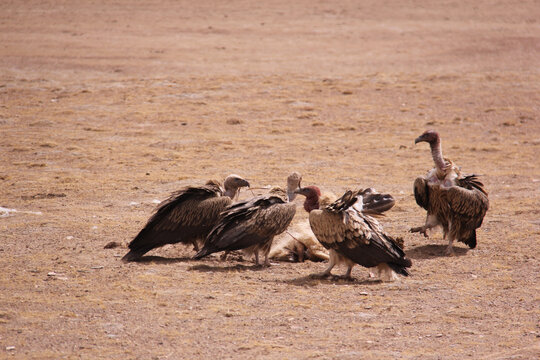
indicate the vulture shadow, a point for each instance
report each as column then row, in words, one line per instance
column 231, row 268
column 433, row 251
column 161, row 260
column 311, row 280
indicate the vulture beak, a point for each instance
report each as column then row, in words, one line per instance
column 300, row 191
column 244, row 183
column 418, row 139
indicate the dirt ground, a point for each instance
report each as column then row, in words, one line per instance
column 107, row 107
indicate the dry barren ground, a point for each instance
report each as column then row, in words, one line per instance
column 108, row 106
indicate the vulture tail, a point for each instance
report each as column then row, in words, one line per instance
column 202, row 253
column 144, row 242
column 133, row 255
column 400, row 269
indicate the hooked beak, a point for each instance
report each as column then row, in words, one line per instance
column 418, row 139
column 244, row 183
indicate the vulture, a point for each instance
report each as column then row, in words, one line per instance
column 299, row 243
column 351, row 235
column 456, row 202
column 187, row 216
column 252, row 224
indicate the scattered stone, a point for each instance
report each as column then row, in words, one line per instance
column 97, row 267
column 10, row 348
column 112, row 245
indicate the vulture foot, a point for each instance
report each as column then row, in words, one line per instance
column 343, row 277
column 421, row 230
column 449, row 251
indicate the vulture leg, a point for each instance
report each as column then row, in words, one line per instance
column 257, row 258
column 266, row 260
column 450, row 249
column 347, row 275
column 332, row 262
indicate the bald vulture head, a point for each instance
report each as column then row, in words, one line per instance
column 232, row 185
column 312, row 194
column 293, row 183
column 429, row 136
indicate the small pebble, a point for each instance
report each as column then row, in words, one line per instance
column 111, row 245
column 10, row 348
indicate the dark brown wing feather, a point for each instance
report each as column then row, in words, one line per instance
column 186, row 216
column 249, row 223
column 421, row 192
column 468, row 204
column 375, row 203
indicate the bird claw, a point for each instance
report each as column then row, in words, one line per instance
column 449, row 251
column 421, row 230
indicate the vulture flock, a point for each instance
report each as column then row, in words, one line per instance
column 342, row 230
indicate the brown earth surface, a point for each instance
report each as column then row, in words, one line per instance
column 106, row 107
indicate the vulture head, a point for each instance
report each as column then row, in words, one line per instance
column 293, row 183
column 312, row 194
column 232, row 185
column 429, row 136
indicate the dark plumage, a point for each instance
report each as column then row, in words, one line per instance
column 455, row 202
column 250, row 224
column 187, row 216
column 352, row 236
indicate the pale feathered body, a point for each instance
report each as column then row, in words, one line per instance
column 353, row 237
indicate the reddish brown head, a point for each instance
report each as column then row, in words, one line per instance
column 429, row 136
column 312, row 194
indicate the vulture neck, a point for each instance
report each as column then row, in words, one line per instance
column 436, row 153
column 232, row 193
column 311, row 203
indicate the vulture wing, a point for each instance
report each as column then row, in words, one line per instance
column 356, row 236
column 375, row 203
column 249, row 223
column 421, row 192
column 471, row 205
column 188, row 215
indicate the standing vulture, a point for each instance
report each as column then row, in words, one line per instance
column 457, row 203
column 252, row 225
column 353, row 237
column 187, row 216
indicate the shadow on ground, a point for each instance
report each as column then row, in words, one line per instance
column 161, row 260
column 313, row 280
column 238, row 267
column 433, row 251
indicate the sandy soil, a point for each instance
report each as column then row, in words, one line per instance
column 106, row 107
